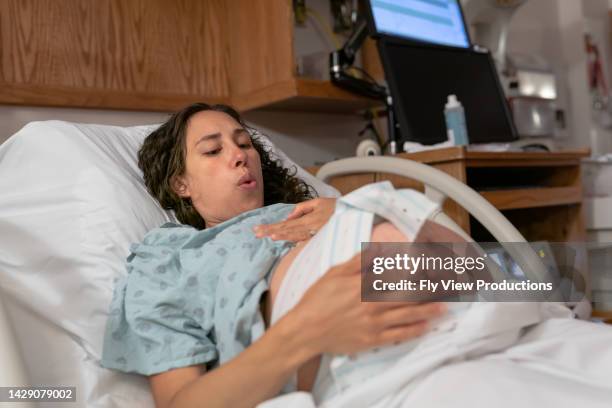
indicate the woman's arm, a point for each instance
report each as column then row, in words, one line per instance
column 330, row 318
column 255, row 375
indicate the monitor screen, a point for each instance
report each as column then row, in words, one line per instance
column 420, row 78
column 433, row 21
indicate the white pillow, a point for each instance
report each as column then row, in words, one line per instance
column 72, row 201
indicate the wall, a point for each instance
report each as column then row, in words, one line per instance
column 555, row 30
column 12, row 118
column 597, row 23
column 310, row 139
column 307, row 138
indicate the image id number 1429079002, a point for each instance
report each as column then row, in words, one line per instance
column 40, row 394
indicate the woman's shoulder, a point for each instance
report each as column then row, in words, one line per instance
column 159, row 247
column 170, row 233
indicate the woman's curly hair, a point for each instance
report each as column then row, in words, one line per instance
column 162, row 158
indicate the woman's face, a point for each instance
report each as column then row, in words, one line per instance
column 222, row 168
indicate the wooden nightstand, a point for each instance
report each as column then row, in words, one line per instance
column 539, row 192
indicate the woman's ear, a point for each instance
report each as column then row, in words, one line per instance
column 179, row 185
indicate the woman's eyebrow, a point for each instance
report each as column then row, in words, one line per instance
column 208, row 137
column 217, row 135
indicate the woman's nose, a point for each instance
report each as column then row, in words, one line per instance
column 239, row 157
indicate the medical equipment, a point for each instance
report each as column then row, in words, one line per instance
column 528, row 80
column 368, row 147
column 439, row 23
column 341, row 60
column 532, row 93
column 424, row 62
column 428, row 60
column 421, row 77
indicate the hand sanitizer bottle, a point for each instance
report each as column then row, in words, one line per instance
column 455, row 121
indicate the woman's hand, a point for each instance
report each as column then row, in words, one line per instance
column 339, row 322
column 302, row 223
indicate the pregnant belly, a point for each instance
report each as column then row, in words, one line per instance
column 383, row 232
column 279, row 274
column 307, row 372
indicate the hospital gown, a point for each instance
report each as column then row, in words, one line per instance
column 192, row 296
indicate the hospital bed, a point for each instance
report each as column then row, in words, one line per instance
column 73, row 202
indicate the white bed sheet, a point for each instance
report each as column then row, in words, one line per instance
column 560, row 363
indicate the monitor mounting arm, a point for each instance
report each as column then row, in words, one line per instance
column 341, row 60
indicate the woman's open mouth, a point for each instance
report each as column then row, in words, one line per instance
column 247, row 182
column 248, row 185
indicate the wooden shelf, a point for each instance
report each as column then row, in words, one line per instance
column 540, row 193
column 297, row 95
column 512, row 199
column 64, row 96
column 525, row 159
column 499, row 159
column 302, row 94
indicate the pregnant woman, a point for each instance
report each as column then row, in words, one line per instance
column 194, row 312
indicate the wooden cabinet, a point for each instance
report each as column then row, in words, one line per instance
column 136, row 54
column 540, row 193
column 157, row 55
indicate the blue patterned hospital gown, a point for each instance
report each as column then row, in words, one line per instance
column 190, row 296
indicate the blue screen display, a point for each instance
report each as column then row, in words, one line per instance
column 434, row 21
